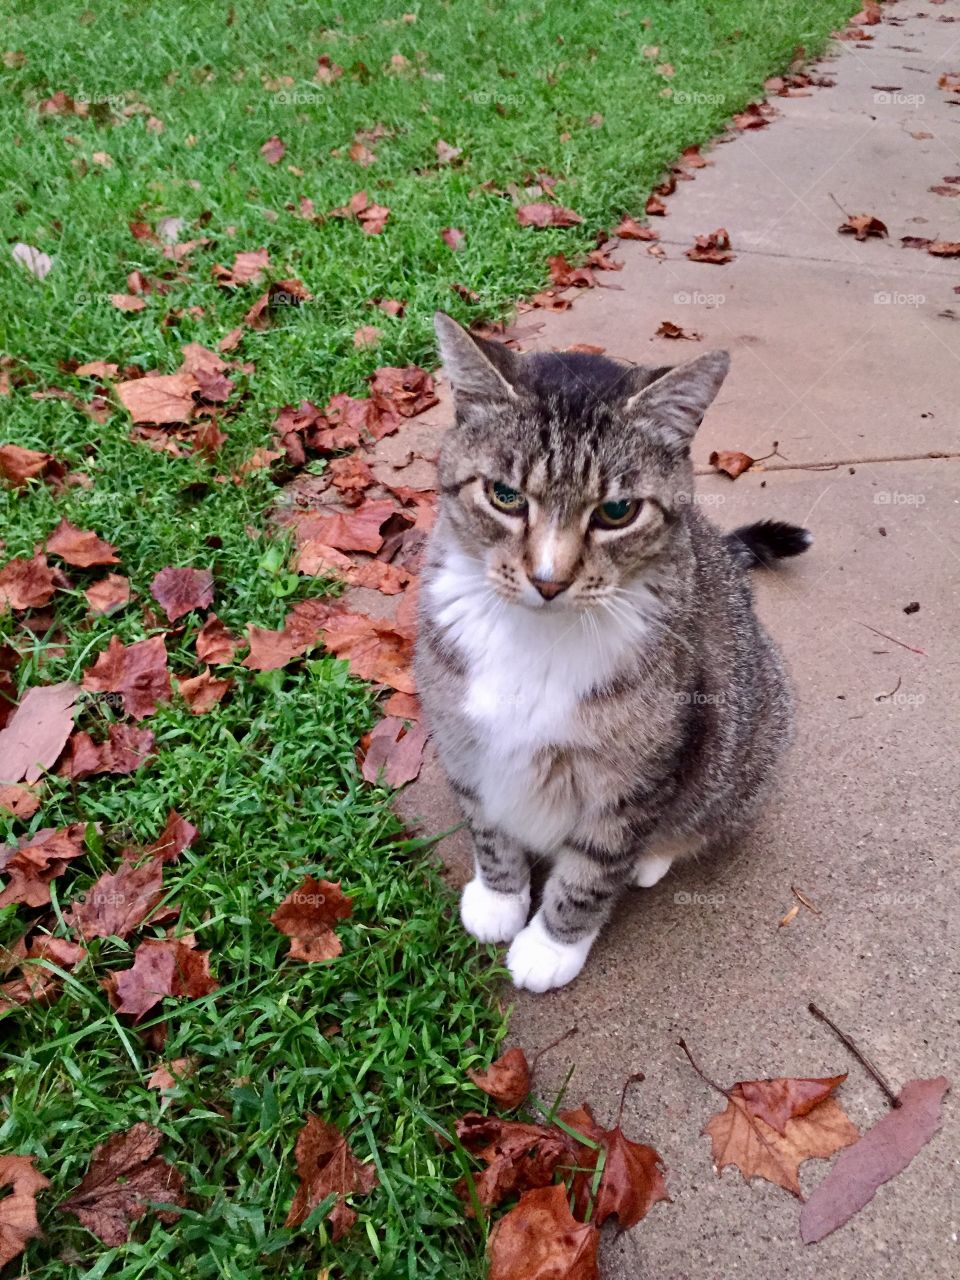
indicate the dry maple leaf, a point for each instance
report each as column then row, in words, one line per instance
column 375, row 649
column 655, row 207
column 27, row 584
column 326, row 1166
column 563, row 275
column 169, row 1074
column 123, row 1178
column 179, row 591
column 405, row 705
column 316, row 559
column 785, row 1098
column 124, row 750
column 670, row 330
column 119, row 901
column 394, row 753
column 714, row 247
column 306, row 916
column 356, row 530
column 161, row 967
column 36, row 860
column 80, row 547
column 944, row 248
column 138, row 672
column 159, row 398
column 546, row 215
column 540, row 1239
column 884, row 1151
column 407, row 391
column 19, row 465
column 755, row 116
column 517, row 1156
column 18, row 1208
column 862, row 225
column 22, row 802
column 36, row 733
column 760, row 1151
column 631, row 1180
column 203, row 692
column 247, row 268
column 368, row 335
column 127, row 302
column 628, row 229
column 350, row 475
column 731, row 462
column 446, row 154
column 215, row 644
column 273, row 150
column 507, row 1080
column 108, row 595
column 177, row 834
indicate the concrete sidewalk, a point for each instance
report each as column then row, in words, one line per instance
column 844, row 353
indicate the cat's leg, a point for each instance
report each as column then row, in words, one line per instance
column 579, row 896
column 660, row 855
column 496, row 902
column 650, row 870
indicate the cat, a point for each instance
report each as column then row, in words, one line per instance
column 598, row 686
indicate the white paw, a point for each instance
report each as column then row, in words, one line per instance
column 492, row 916
column 539, row 963
column 649, row 871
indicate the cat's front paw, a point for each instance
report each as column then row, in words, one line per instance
column 539, row 962
column 492, row 916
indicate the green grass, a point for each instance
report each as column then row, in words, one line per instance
column 270, row 777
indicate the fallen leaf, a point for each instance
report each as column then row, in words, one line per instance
column 273, row 150
column 138, row 672
column 22, row 802
column 159, row 398
column 755, row 116
column 80, row 547
column 127, row 302
column 628, row 229
column 547, row 215
column 731, row 462
column 882, row 1152
column 36, row 860
column 118, row 902
column 215, row 644
column 161, row 967
column 27, row 584
column 540, row 1239
column 507, row 1080
column 177, row 834
column 655, row 207
column 789, row 917
column 59, row 951
column 758, row 1150
column 714, row 247
column 327, row 71
column 944, row 248
column 375, row 649
column 862, row 225
column 18, row 1208
column 394, row 754
column 405, row 705
column 248, row 267
column 950, row 80
column 37, row 262
column 124, row 750
column 18, row 465
column 326, row 1166
column 108, row 595
column 586, row 348
column 446, row 154
column 306, row 916
column 356, row 530
column 124, row 1177
column 407, row 391
column 179, row 591
column 203, row 692
column 452, row 237
column 786, row 1098
column 169, row 1074
column 563, row 275
column 36, row 733
column 670, row 330
column 631, row 1180
column 368, row 335
column 316, row 559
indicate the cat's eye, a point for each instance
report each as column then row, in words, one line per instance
column 617, row 514
column 505, row 499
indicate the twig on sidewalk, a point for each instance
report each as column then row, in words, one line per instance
column 858, row 1054
column 892, row 639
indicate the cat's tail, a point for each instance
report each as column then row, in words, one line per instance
column 762, row 544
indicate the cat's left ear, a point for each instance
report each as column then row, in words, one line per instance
column 478, row 370
column 677, row 401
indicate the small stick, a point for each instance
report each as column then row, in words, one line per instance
column 805, row 900
column 892, row 639
column 882, row 697
column 857, row 1053
column 571, row 1031
column 838, row 204
column 712, row 1083
column 637, row 1078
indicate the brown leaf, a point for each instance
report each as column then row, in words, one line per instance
column 123, row 1178
column 18, row 1208
column 19, row 465
column 507, row 1080
column 546, row 215
column 127, row 302
column 161, row 967
column 124, row 750
column 540, row 1239
column 36, row 860
column 108, row 595
column 862, row 225
column 248, row 268
column 655, row 207
column 731, row 462
column 944, row 248
column 670, row 330
column 631, row 1181
column 138, row 672
column 518, row 1157
column 446, row 154
column 316, row 559
column 178, row 591
column 375, row 649
column 394, row 754
column 714, row 247
column 80, row 547
column 59, row 951
column 273, row 150
column 203, row 692
column 563, row 275
column 22, row 802
column 628, row 229
column 177, row 834
column 27, row 584
column 119, row 901
column 326, row 1166
column 756, row 116
column 368, row 335
column 404, row 705
column 169, row 1074
column 356, row 530
column 215, row 644
column 307, row 915
column 884, row 1151
column 327, row 71
column 407, row 391
column 159, row 398
column 759, row 1151
column 785, row 1098
column 37, row 732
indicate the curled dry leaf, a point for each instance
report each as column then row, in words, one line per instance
column 546, row 215
column 731, row 462
column 177, row 834
column 862, row 225
column 80, row 547
column 394, row 753
column 655, row 207
column 22, row 802
column 356, row 530
column 452, row 237
column 756, row 116
column 670, row 330
column 203, row 692
column 159, row 398
column 375, row 649
column 714, row 247
column 161, row 967
column 326, row 1166
column 408, row 390
column 138, row 672
column 507, row 1080
column 124, row 750
column 273, row 150
column 119, row 901
column 18, row 1207
column 124, row 1177
column 248, row 268
column 944, row 248
column 517, row 1156
column 307, row 916
column 18, row 465
column 179, row 591
column 36, row 733
column 631, row 1179
column 563, row 275
column 628, row 229
column 38, row 859
column 108, row 595
column 215, row 644
column 127, row 302
column 540, row 1239
column 27, row 584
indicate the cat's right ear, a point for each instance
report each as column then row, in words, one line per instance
column 478, row 370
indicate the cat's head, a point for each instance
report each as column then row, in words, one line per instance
column 565, row 473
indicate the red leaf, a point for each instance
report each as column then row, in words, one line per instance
column 394, row 755
column 161, row 967
column 215, row 644
column 731, row 462
column 159, row 398
column 507, row 1080
column 108, row 595
column 178, row 591
column 714, row 248
column 273, row 150
column 375, row 649
column 125, row 749
column 357, row 530
column 18, row 1209
column 248, row 268
column 326, row 1166
column 80, row 547
column 862, row 225
column 541, row 1240
column 178, row 834
column 628, row 229
column 547, row 215
column 407, row 391
column 27, row 584
column 452, row 237
column 37, row 731
column 119, row 901
column 138, row 672
column 20, row 465
column 38, row 859
column 307, row 916
column 203, row 692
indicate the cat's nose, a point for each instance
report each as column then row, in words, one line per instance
column 549, row 588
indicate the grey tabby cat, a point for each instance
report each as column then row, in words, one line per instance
column 599, row 688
